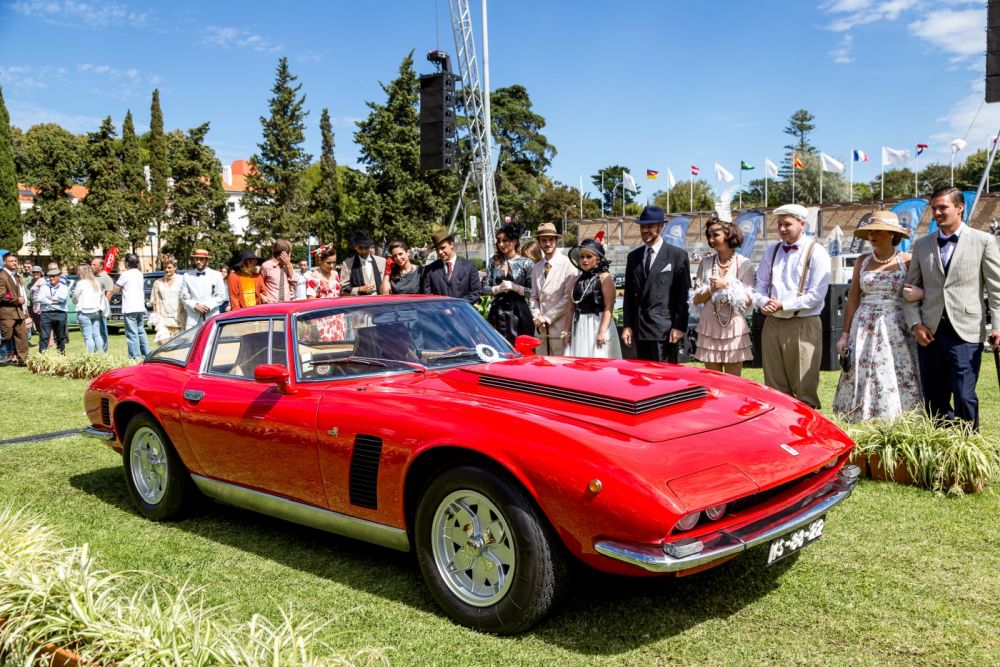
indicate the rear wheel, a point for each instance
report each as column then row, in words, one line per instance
column 488, row 557
column 156, row 478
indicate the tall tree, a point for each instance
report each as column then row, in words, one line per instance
column 11, row 224
column 403, row 202
column 274, row 200
column 158, row 165
column 197, row 205
column 524, row 152
column 800, row 125
column 53, row 159
column 103, row 211
column 680, row 197
column 610, row 179
column 135, row 213
column 324, row 200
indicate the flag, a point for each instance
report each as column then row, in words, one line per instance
column 750, row 224
column 921, row 148
column 797, row 163
column 652, row 175
column 694, row 170
column 829, row 164
column 745, row 166
column 860, row 156
column 671, row 181
column 629, row 183
column 721, row 174
column 894, row 156
column 770, row 169
column 909, row 211
column 957, row 145
column 675, row 231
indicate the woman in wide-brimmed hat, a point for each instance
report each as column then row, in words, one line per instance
column 246, row 285
column 594, row 333
column 878, row 352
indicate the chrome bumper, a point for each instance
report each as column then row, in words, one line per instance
column 92, row 432
column 726, row 544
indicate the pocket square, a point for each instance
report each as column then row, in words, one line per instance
column 668, row 267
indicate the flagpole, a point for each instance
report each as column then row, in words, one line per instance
column 741, row 186
column 581, row 197
column 915, row 173
column 603, row 195
column 669, row 188
column 623, row 193
column 765, row 182
column 881, row 178
column 691, row 183
column 821, row 179
column 850, row 195
column 793, row 178
column 952, row 167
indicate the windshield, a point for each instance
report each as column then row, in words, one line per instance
column 399, row 336
column 176, row 349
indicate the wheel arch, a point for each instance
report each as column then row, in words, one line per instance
column 125, row 412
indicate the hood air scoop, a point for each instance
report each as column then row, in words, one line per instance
column 596, row 400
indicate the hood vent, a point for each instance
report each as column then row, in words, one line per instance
column 596, row 400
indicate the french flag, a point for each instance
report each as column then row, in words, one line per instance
column 860, row 156
column 694, row 170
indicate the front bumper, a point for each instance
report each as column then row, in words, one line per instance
column 726, row 544
column 93, row 432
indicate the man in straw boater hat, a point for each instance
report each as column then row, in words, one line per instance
column 954, row 267
column 792, row 281
column 552, row 279
column 657, row 279
column 202, row 291
column 450, row 275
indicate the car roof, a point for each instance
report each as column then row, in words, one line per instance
column 292, row 307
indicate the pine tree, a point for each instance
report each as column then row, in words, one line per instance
column 324, row 202
column 53, row 159
column 404, row 202
column 274, row 200
column 135, row 214
column 158, row 167
column 103, row 210
column 197, row 211
column 11, row 225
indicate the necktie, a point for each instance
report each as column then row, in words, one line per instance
column 649, row 261
column 788, row 248
column 547, row 267
column 942, row 242
column 447, row 270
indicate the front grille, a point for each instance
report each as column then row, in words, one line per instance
column 363, row 476
column 748, row 502
column 106, row 411
column 598, row 400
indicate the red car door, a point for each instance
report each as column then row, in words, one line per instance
column 245, row 432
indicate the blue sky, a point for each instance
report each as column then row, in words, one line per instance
column 649, row 85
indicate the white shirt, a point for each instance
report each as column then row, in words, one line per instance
column 787, row 271
column 133, row 294
column 948, row 249
column 655, row 249
column 206, row 289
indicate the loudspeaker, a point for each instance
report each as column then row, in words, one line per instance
column 830, row 360
column 756, row 348
column 832, row 316
column 437, row 121
column 993, row 51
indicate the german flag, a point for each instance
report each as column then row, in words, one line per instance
column 797, row 163
column 652, row 174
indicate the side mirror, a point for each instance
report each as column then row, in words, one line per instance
column 526, row 344
column 273, row 374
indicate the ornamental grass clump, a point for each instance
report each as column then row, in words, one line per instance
column 51, row 594
column 87, row 365
column 947, row 457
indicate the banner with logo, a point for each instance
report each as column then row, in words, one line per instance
column 909, row 211
column 750, row 223
column 675, row 231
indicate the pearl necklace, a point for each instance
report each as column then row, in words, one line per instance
column 720, row 269
column 877, row 260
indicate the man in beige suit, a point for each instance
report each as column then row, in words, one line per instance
column 553, row 277
column 955, row 267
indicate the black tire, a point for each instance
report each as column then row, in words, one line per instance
column 157, row 480
column 506, row 544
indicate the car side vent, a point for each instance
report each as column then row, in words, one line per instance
column 596, row 400
column 363, row 480
column 106, row 411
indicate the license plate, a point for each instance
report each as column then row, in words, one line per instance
column 790, row 543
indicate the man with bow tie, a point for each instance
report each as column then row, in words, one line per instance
column 792, row 281
column 203, row 291
column 955, row 267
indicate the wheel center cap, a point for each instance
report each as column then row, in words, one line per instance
column 474, row 545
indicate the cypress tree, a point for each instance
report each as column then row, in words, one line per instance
column 135, row 216
column 103, row 210
column 158, row 167
column 274, row 200
column 11, row 225
column 325, row 200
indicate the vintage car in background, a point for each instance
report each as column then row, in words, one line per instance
column 410, row 423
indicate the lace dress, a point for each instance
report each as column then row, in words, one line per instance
column 881, row 379
column 723, row 334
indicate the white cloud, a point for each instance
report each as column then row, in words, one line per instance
column 91, row 14
column 970, row 115
column 842, row 53
column 230, row 37
column 27, row 114
column 853, row 13
column 961, row 32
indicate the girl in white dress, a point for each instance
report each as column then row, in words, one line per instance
column 594, row 331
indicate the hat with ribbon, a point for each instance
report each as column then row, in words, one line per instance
column 440, row 236
column 591, row 246
column 201, row 252
column 885, row 221
column 547, row 229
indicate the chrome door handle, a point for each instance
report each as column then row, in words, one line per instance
column 193, row 395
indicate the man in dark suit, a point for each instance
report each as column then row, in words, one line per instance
column 449, row 275
column 657, row 280
column 13, row 318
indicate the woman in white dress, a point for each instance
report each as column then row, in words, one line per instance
column 594, row 331
column 880, row 377
column 167, row 311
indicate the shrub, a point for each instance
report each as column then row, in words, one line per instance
column 53, row 594
column 84, row 366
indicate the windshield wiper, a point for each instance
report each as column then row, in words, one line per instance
column 455, row 354
column 380, row 363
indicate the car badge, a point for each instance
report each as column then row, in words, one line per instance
column 335, row 431
column 789, row 449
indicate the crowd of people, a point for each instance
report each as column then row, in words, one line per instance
column 913, row 333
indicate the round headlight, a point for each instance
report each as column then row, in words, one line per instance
column 688, row 522
column 715, row 513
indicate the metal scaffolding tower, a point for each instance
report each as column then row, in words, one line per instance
column 477, row 114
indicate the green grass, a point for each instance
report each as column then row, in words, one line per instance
column 901, row 576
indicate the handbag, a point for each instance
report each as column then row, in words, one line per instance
column 845, row 359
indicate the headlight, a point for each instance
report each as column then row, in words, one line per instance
column 688, row 522
column 715, row 513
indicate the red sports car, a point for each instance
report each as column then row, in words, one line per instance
column 410, row 423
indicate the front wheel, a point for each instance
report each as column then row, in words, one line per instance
column 488, row 557
column 156, row 478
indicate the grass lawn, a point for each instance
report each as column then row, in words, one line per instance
column 900, row 577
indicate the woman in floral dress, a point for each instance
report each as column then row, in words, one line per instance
column 323, row 282
column 880, row 378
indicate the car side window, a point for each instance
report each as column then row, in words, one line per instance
column 240, row 347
